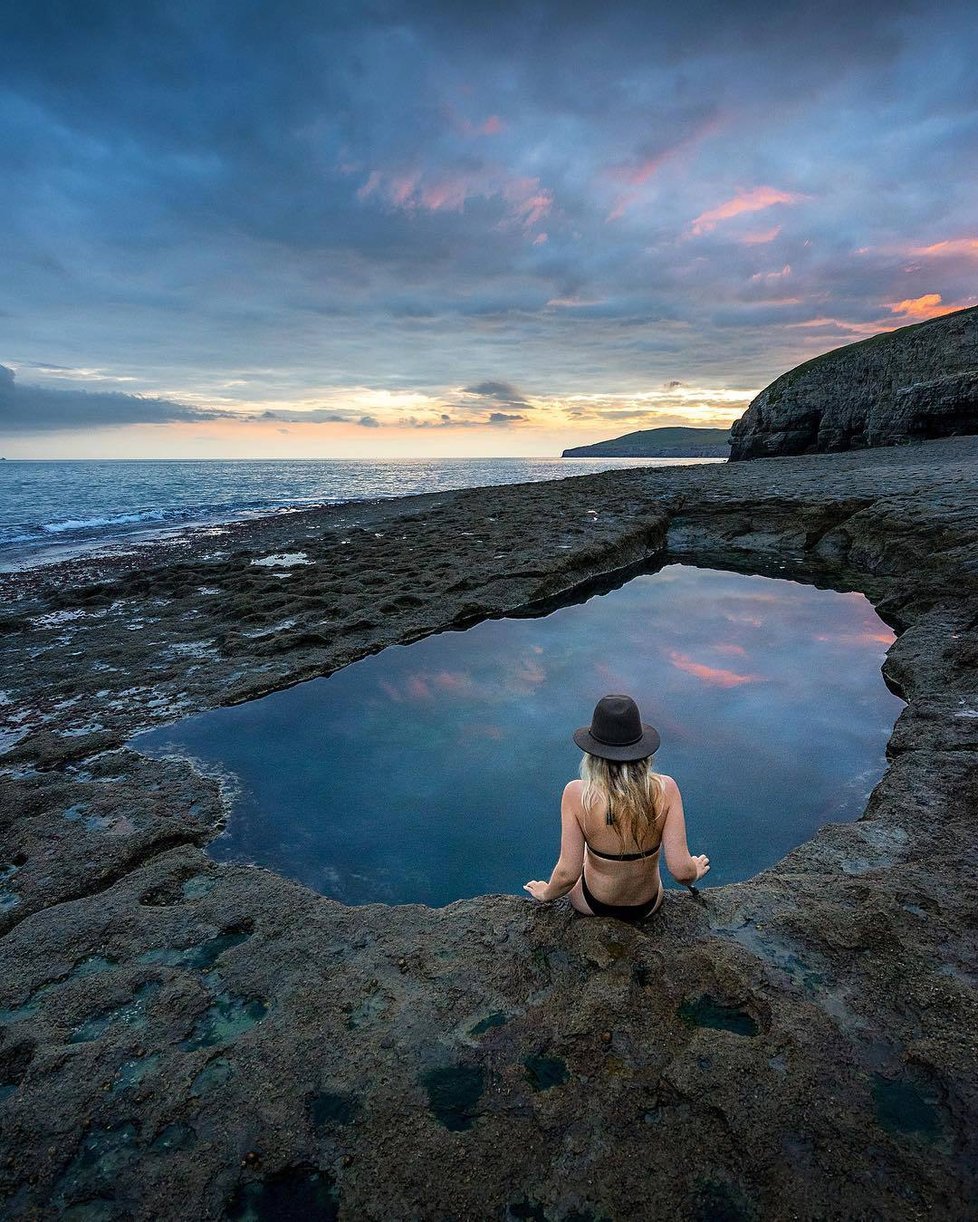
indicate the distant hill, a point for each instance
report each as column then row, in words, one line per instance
column 659, row 443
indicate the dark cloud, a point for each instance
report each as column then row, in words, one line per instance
column 369, row 422
column 35, row 409
column 383, row 194
column 498, row 392
column 493, row 401
column 505, row 418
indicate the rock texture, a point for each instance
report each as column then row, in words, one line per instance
column 180, row 1039
column 908, row 385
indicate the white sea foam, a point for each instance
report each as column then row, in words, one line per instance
column 283, row 560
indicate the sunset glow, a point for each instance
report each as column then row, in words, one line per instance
column 415, row 231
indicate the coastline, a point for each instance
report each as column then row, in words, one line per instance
column 171, row 496
column 853, row 958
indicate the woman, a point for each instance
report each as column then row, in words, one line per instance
column 615, row 819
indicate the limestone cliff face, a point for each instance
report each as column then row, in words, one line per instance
column 911, row 384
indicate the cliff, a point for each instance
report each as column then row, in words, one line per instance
column 915, row 383
column 658, row 443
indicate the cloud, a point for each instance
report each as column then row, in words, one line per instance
column 917, row 309
column 369, row 422
column 360, row 195
column 496, row 392
column 524, row 201
column 964, row 248
column 36, row 409
column 754, row 200
column 505, row 418
column 711, row 675
column 759, row 237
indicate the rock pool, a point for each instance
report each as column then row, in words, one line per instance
column 433, row 771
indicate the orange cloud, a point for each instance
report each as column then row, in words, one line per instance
column 930, row 305
column 963, row 247
column 713, row 675
column 754, row 200
column 868, row 637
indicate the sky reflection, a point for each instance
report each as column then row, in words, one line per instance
column 433, row 771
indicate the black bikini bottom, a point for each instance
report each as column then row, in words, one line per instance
column 624, row 912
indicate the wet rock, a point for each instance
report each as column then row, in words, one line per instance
column 378, row 1057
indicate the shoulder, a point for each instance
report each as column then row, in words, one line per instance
column 669, row 786
column 571, row 799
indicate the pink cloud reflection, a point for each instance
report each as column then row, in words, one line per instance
column 712, row 675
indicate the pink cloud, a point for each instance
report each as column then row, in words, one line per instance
column 869, row 636
column 712, row 675
column 453, row 681
column 754, row 200
column 490, row 126
column 529, row 670
column 735, row 650
column 527, row 201
column 636, row 173
column 963, row 247
column 418, row 689
column 769, row 277
column 760, row 237
column 494, row 733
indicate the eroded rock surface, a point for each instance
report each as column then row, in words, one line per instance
column 906, row 385
column 181, row 1039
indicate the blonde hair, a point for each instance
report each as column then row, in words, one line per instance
column 633, row 791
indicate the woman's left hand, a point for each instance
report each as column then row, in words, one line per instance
column 537, row 890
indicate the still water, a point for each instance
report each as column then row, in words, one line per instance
column 433, row 771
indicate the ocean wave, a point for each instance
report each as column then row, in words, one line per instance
column 120, row 519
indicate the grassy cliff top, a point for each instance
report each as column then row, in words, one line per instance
column 652, row 443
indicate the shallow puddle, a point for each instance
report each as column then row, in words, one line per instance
column 227, row 1017
column 717, row 1015
column 454, row 1093
column 433, row 771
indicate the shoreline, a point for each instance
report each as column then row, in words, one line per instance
column 813, row 1004
column 146, row 527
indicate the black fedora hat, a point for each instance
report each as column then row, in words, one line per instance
column 617, row 731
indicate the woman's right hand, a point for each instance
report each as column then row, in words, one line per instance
column 702, row 864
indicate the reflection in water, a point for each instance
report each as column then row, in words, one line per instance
column 433, row 771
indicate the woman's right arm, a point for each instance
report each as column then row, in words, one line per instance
column 682, row 865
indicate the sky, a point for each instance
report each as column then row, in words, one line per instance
column 235, row 229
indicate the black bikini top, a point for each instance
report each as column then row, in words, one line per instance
column 610, row 821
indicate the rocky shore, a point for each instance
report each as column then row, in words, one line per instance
column 185, row 1040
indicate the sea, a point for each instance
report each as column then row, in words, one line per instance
column 55, row 509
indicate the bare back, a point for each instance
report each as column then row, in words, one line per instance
column 631, row 882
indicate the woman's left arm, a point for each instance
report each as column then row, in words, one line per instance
column 571, row 861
